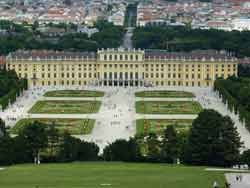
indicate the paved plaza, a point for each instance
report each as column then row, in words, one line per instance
column 117, row 117
column 243, row 182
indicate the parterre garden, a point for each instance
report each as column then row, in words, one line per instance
column 72, row 126
column 74, row 93
column 157, row 126
column 164, row 94
column 65, row 107
column 146, row 126
column 168, row 107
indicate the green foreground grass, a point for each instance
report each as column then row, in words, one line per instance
column 164, row 94
column 72, row 126
column 168, row 107
column 114, row 175
column 65, row 107
column 157, row 126
column 74, row 93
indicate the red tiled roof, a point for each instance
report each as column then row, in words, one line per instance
column 2, row 60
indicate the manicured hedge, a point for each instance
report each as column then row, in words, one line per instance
column 235, row 92
column 13, row 89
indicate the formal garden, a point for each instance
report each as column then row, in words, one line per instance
column 65, row 107
column 72, row 126
column 74, row 93
column 168, row 107
column 157, row 126
column 120, row 175
column 164, row 94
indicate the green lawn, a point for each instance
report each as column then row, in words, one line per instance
column 146, row 126
column 65, row 107
column 164, row 94
column 73, row 126
column 113, row 175
column 74, row 93
column 168, row 107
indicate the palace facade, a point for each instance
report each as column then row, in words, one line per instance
column 120, row 67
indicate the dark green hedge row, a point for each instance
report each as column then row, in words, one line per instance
column 11, row 90
column 236, row 93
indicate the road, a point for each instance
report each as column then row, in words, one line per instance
column 127, row 40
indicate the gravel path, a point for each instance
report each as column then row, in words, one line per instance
column 244, row 183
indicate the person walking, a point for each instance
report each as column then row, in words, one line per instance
column 227, row 185
column 215, row 184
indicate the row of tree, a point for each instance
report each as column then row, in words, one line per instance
column 235, row 92
column 11, row 87
column 212, row 140
column 40, row 142
column 183, row 38
column 109, row 36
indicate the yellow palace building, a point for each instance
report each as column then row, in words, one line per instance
column 121, row 67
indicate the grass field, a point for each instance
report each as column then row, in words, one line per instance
column 146, row 126
column 113, row 175
column 166, row 94
column 168, row 107
column 74, row 93
column 72, row 126
column 65, row 107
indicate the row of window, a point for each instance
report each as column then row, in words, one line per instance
column 125, row 75
column 157, row 83
column 121, row 57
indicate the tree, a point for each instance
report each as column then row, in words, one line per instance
column 6, row 150
column 170, row 148
column 2, row 128
column 22, row 151
column 88, row 151
column 35, row 26
column 36, row 136
column 213, row 140
column 245, row 157
column 69, row 148
column 53, row 142
column 153, row 145
column 121, row 150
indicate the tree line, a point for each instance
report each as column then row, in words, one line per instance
column 109, row 36
column 11, row 87
column 212, row 140
column 183, row 38
column 235, row 92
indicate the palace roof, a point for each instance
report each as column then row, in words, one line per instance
column 45, row 55
column 199, row 55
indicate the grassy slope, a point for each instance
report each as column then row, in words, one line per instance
column 119, row 175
